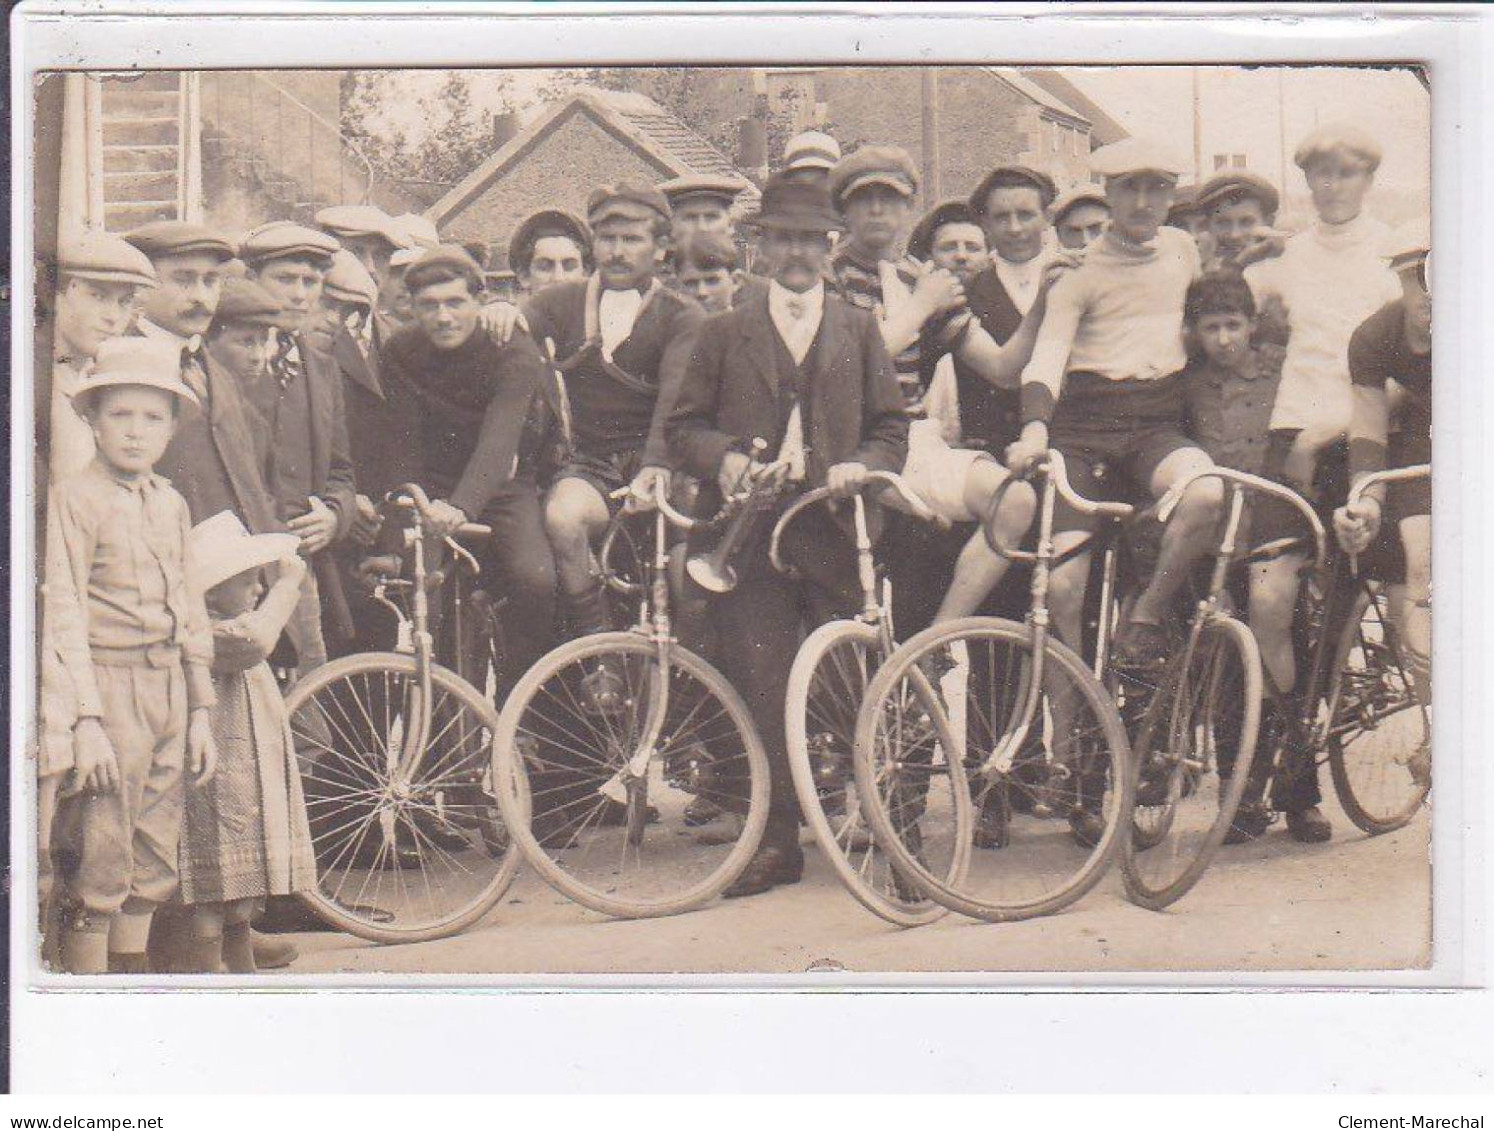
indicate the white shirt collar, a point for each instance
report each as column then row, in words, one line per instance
column 780, row 296
column 1021, row 280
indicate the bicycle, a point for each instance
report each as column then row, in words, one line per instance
column 602, row 781
column 1023, row 728
column 827, row 684
column 396, row 767
column 1196, row 736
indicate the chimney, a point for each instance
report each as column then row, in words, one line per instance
column 505, row 127
column 752, row 147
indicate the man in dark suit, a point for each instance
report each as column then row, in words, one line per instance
column 809, row 375
column 300, row 402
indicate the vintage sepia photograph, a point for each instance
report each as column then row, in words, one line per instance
column 730, row 520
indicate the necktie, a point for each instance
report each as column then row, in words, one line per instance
column 192, row 368
column 797, row 308
column 287, row 363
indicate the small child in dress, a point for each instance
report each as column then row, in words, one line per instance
column 130, row 637
column 246, row 835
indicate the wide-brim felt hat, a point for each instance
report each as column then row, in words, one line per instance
column 795, row 206
column 220, row 547
column 134, row 361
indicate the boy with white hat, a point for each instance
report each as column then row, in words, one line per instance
column 132, row 635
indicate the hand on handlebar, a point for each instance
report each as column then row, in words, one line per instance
column 441, row 519
column 845, row 479
column 647, row 486
column 1357, row 524
column 740, row 471
column 1027, row 451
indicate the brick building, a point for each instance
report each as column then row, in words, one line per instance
column 591, row 138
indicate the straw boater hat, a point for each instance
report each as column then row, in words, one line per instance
column 145, row 362
column 219, row 548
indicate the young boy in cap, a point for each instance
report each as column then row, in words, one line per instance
column 621, row 341
column 131, row 632
column 809, row 157
column 301, row 404
column 922, row 313
column 1103, row 385
column 831, row 408
column 1239, row 209
column 550, row 246
column 708, row 267
column 701, row 203
column 1079, row 217
column 99, row 279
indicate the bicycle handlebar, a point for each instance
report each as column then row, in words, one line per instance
column 885, row 480
column 411, row 495
column 1052, row 464
column 1255, row 483
column 1393, row 475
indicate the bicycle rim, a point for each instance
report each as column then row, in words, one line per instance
column 1379, row 726
column 826, row 688
column 1193, row 759
column 1072, row 759
column 570, row 763
column 399, row 858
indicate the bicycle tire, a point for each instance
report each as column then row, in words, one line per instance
column 1155, row 877
column 809, row 706
column 522, row 718
column 1393, row 685
column 321, row 782
column 1067, row 671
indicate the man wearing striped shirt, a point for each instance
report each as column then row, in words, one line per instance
column 1103, row 386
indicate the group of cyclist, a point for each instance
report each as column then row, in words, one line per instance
column 656, row 354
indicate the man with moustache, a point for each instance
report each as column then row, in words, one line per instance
column 621, row 341
column 808, row 373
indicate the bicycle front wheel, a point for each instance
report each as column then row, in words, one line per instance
column 826, row 688
column 1380, row 743
column 404, row 853
column 1052, row 789
column 1193, row 755
column 608, row 749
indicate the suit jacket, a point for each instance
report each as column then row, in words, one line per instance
column 730, row 393
column 218, row 459
column 331, row 467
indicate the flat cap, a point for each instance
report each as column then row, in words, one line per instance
column 105, row 258
column 921, row 241
column 161, row 238
column 1067, row 202
column 1223, row 188
column 811, row 150
column 281, row 239
column 246, row 302
column 1408, row 243
column 873, row 165
column 355, row 220
column 545, row 222
column 349, row 281
column 153, row 362
column 416, row 234
column 1338, row 139
column 1012, row 176
column 628, row 200
column 712, row 186
column 443, row 257
column 1136, row 155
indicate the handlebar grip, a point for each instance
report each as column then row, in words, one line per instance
column 1057, row 470
column 1392, row 475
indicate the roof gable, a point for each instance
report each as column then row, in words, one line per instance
column 1037, row 94
column 1104, row 129
column 636, row 121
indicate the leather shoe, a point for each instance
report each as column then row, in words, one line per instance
column 1088, row 828
column 1309, row 826
column 272, row 954
column 771, row 866
column 1250, row 822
